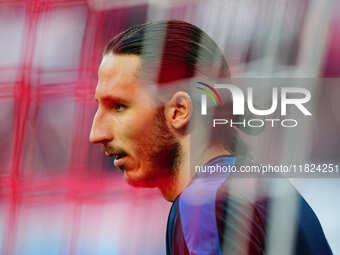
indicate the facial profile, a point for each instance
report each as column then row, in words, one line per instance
column 130, row 123
column 147, row 129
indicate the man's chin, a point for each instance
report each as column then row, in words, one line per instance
column 139, row 181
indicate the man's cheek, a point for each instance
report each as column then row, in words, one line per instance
column 139, row 129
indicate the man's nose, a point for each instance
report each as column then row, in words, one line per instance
column 100, row 131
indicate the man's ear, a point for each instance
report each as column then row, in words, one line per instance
column 178, row 110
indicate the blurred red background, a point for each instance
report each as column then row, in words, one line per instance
column 58, row 193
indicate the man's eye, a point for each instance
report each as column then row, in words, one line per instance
column 119, row 107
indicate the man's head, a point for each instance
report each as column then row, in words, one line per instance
column 143, row 129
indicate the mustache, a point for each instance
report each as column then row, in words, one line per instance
column 109, row 150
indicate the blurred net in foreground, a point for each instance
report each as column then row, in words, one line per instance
column 59, row 194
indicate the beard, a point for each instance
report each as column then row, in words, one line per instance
column 161, row 153
column 166, row 152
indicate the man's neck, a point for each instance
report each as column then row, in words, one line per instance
column 176, row 183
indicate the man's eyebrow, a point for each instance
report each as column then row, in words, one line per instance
column 110, row 98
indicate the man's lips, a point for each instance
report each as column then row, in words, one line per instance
column 119, row 157
column 119, row 161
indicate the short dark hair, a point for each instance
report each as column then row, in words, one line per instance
column 186, row 51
